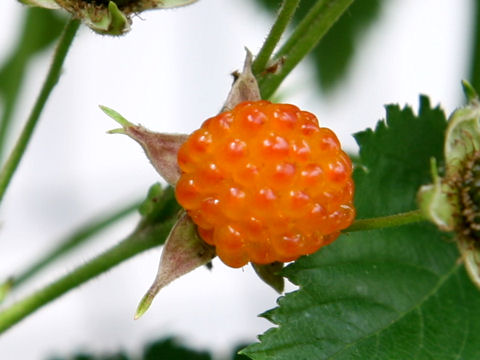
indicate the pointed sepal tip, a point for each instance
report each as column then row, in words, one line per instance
column 435, row 201
column 183, row 252
column 117, row 117
column 469, row 91
column 271, row 275
column 144, row 305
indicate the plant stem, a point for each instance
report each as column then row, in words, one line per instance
column 41, row 27
column 284, row 17
column 79, row 237
column 308, row 33
column 143, row 239
column 386, row 221
column 51, row 80
column 475, row 58
column 138, row 242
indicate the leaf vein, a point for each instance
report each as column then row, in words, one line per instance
column 402, row 315
column 467, row 323
column 421, row 335
column 362, row 262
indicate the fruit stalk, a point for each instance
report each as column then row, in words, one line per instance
column 405, row 218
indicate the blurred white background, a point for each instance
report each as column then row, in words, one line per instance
column 169, row 74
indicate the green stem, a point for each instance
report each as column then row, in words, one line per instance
column 51, row 80
column 76, row 239
column 41, row 27
column 307, row 34
column 284, row 17
column 141, row 240
column 475, row 58
column 386, row 221
column 138, row 242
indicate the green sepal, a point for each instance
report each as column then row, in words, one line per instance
column 271, row 275
column 117, row 117
column 183, row 252
column 471, row 259
column 112, row 19
column 469, row 91
column 47, row 4
column 161, row 149
column 119, row 23
column 435, row 201
column 463, row 135
column 149, row 205
column 111, row 22
column 165, row 4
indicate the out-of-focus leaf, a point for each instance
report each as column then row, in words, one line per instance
column 85, row 356
column 335, row 51
column 397, row 293
column 170, row 349
column 165, row 349
column 41, row 27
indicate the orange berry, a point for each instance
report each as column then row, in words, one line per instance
column 264, row 182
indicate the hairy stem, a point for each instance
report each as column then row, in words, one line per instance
column 284, row 17
column 51, row 80
column 386, row 221
column 307, row 34
column 41, row 27
column 141, row 240
column 76, row 239
column 138, row 242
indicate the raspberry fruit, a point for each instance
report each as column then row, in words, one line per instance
column 264, row 183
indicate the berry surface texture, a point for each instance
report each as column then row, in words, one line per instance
column 265, row 183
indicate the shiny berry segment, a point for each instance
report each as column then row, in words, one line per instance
column 265, row 183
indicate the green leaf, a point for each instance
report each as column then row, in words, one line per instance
column 85, row 356
column 335, row 51
column 395, row 159
column 397, row 293
column 168, row 349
